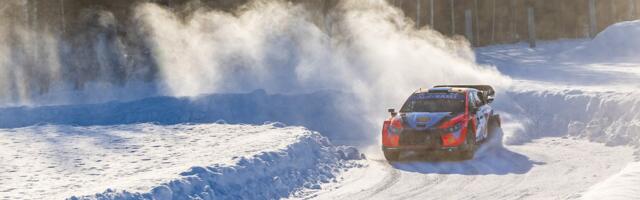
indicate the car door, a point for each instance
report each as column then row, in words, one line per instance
column 484, row 112
column 481, row 117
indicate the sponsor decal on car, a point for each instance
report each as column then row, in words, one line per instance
column 451, row 96
column 423, row 119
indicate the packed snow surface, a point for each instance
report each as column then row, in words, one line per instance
column 623, row 185
column 549, row 168
column 147, row 160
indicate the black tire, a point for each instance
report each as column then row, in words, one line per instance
column 391, row 156
column 470, row 143
column 495, row 122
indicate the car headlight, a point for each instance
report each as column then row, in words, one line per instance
column 395, row 127
column 454, row 128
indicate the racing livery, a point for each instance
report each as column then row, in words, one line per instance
column 449, row 120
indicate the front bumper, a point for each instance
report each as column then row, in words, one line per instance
column 424, row 148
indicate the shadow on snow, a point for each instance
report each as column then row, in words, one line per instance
column 490, row 159
column 319, row 111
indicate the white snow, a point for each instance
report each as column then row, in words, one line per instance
column 623, row 185
column 549, row 168
column 144, row 160
column 617, row 42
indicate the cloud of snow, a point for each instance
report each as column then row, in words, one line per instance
column 368, row 48
column 22, row 53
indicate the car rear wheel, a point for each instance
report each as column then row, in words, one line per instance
column 391, row 155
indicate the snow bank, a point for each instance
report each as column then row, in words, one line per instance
column 555, row 93
column 617, row 42
column 606, row 116
column 624, row 185
column 306, row 163
column 145, row 161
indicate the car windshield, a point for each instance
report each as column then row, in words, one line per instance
column 434, row 102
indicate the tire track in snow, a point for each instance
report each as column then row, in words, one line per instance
column 548, row 168
column 390, row 180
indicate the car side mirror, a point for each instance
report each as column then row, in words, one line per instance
column 393, row 112
column 489, row 99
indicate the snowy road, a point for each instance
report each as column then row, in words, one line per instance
column 549, row 168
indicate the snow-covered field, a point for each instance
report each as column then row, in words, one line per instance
column 179, row 161
column 570, row 108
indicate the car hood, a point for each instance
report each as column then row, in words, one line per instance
column 425, row 120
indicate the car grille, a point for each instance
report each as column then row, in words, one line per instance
column 413, row 137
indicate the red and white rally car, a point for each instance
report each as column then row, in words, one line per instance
column 448, row 120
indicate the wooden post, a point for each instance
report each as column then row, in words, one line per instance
column 468, row 31
column 532, row 28
column 453, row 18
column 432, row 14
column 418, row 13
column 592, row 18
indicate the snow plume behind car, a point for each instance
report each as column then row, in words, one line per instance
column 368, row 48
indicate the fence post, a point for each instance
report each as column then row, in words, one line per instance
column 468, row 28
column 592, row 18
column 453, row 18
column 532, row 28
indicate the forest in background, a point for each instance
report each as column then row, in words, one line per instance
column 493, row 21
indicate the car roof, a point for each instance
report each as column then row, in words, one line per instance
column 444, row 90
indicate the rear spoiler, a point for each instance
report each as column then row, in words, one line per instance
column 487, row 91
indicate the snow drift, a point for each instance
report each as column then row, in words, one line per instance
column 167, row 162
column 623, row 185
column 617, row 42
column 610, row 117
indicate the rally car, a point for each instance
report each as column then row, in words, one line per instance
column 449, row 121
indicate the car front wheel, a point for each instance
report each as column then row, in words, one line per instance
column 391, row 155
